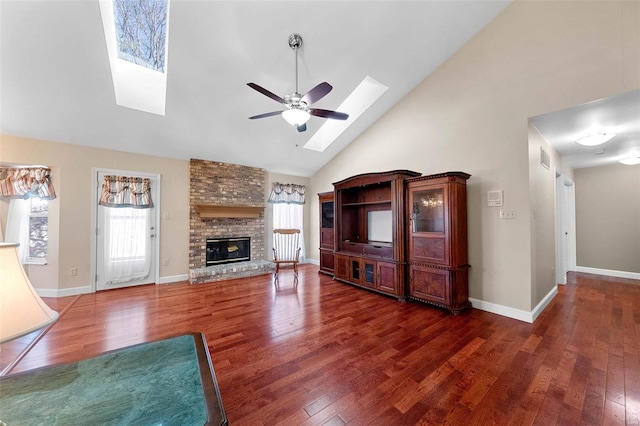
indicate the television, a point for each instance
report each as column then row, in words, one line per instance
column 380, row 226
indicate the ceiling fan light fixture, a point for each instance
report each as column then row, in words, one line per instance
column 296, row 116
column 595, row 139
column 632, row 160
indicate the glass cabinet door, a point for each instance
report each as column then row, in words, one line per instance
column 327, row 214
column 355, row 270
column 369, row 273
column 427, row 213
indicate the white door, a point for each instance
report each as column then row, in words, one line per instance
column 125, row 241
column 565, row 226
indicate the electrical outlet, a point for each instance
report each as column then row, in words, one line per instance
column 508, row 214
column 165, row 262
column 73, row 272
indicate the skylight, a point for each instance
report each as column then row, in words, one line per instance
column 366, row 94
column 137, row 34
column 141, row 28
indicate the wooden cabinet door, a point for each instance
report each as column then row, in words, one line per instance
column 431, row 284
column 342, row 265
column 355, row 270
column 327, row 262
column 387, row 277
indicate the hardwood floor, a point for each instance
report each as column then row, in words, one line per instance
column 329, row 353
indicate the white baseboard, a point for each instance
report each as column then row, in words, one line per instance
column 608, row 272
column 313, row 261
column 62, row 292
column 514, row 313
column 173, row 279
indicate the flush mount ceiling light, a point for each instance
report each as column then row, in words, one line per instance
column 594, row 139
column 632, row 160
column 298, row 112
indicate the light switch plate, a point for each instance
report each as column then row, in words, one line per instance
column 508, row 214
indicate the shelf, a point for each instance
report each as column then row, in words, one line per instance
column 366, row 203
column 242, row 212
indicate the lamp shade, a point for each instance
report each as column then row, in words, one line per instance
column 21, row 309
column 295, row 116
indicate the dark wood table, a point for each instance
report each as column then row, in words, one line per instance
column 168, row 382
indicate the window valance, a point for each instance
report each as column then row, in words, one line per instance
column 288, row 193
column 26, row 182
column 122, row 191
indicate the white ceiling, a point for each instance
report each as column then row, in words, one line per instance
column 56, row 84
column 619, row 114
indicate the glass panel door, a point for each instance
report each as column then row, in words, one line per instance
column 428, row 210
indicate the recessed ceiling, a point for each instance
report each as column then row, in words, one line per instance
column 56, row 83
column 619, row 114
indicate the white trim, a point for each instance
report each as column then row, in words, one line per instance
column 517, row 314
column 313, row 261
column 543, row 303
column 173, row 279
column 63, row 292
column 609, row 272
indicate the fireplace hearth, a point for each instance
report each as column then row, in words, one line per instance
column 228, row 250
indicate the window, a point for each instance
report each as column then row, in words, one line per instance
column 28, row 224
column 290, row 216
column 38, row 230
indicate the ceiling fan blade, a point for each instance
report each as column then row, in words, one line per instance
column 266, row 114
column 317, row 93
column 325, row 113
column 266, row 92
column 302, row 127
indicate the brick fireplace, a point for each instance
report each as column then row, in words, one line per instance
column 220, row 195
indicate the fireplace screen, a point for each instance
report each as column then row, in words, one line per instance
column 228, row 250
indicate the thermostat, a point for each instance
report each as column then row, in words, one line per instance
column 494, row 198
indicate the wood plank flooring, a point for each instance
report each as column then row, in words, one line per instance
column 329, row 353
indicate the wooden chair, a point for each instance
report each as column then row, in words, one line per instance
column 286, row 250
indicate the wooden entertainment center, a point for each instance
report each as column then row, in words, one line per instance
column 400, row 234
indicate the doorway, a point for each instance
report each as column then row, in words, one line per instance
column 565, row 227
column 125, row 245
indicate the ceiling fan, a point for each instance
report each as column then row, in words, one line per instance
column 298, row 111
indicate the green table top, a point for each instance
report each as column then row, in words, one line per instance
column 167, row 382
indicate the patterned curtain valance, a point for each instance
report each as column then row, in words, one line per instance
column 26, row 182
column 289, row 193
column 122, row 191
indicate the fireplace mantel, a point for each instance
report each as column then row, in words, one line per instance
column 217, row 211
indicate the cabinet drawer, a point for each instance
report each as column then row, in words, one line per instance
column 352, row 247
column 381, row 251
column 429, row 284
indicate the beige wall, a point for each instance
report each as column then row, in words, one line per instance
column 608, row 217
column 70, row 214
column 472, row 115
column 542, row 190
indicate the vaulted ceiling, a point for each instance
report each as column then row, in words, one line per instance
column 56, row 84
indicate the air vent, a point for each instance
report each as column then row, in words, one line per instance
column 545, row 159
